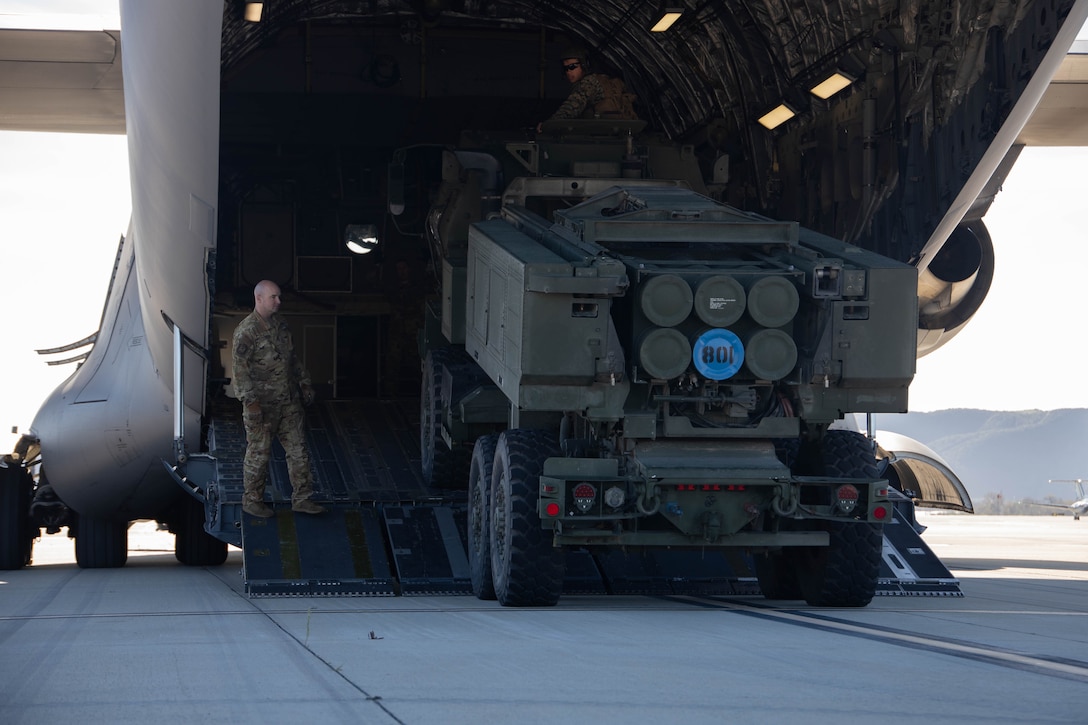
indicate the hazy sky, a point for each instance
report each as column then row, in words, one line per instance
column 64, row 203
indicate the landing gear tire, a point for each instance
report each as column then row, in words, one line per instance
column 101, row 543
column 479, row 504
column 844, row 573
column 193, row 546
column 527, row 569
column 17, row 532
column 441, row 466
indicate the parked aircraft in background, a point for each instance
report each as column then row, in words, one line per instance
column 1079, row 507
column 253, row 144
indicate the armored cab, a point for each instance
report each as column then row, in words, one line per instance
column 637, row 365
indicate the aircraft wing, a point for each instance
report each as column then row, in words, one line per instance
column 1061, row 118
column 61, row 80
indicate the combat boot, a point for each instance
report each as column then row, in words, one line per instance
column 258, row 509
column 306, row 506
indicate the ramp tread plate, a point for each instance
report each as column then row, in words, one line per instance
column 428, row 545
column 915, row 570
column 360, row 450
column 338, row 552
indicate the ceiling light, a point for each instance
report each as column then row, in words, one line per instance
column 665, row 18
column 777, row 116
column 831, row 85
column 361, row 238
column 253, row 11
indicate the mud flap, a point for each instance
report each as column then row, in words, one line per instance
column 706, row 572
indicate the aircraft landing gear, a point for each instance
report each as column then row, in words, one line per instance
column 100, row 543
column 17, row 531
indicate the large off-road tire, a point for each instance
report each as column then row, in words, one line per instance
column 101, row 543
column 479, row 505
column 441, row 466
column 17, row 532
column 193, row 546
column 527, row 570
column 844, row 573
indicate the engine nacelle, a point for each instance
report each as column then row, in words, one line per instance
column 952, row 288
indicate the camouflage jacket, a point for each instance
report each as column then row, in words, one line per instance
column 583, row 98
column 266, row 368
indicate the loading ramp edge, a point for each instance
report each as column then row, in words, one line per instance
column 420, row 550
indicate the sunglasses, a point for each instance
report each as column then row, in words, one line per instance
column 572, row 66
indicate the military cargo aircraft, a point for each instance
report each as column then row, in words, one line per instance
column 259, row 132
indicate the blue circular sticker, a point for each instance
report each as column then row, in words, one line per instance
column 717, row 354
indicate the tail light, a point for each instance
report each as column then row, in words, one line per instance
column 584, row 496
column 846, row 498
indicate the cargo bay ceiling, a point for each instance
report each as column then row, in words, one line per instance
column 878, row 163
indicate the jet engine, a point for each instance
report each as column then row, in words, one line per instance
column 954, row 284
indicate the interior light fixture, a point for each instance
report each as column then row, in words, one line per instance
column 361, row 238
column 777, row 116
column 665, row 18
column 831, row 85
column 254, row 11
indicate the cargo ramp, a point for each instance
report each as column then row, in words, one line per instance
column 387, row 534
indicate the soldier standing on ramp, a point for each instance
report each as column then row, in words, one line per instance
column 270, row 380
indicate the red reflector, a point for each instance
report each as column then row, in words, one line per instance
column 548, row 488
column 552, row 509
column 880, row 513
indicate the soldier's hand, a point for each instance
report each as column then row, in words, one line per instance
column 253, row 410
column 307, row 395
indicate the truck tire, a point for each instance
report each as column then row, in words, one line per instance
column 844, row 573
column 101, row 543
column 441, row 466
column 479, row 503
column 527, row 569
column 17, row 532
column 193, row 546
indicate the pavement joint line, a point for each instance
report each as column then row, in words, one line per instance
column 1067, row 670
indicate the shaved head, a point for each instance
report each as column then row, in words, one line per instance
column 266, row 298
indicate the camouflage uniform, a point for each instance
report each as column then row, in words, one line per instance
column 266, row 371
column 583, row 99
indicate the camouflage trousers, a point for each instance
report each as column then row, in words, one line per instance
column 286, row 422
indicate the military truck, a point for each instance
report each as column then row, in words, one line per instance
column 619, row 361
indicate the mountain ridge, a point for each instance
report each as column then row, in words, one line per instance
column 1011, row 453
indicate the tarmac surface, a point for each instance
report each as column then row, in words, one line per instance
column 157, row 642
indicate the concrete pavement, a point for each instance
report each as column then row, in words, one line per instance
column 159, row 642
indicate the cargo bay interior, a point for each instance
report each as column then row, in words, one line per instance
column 319, row 95
column 307, row 154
